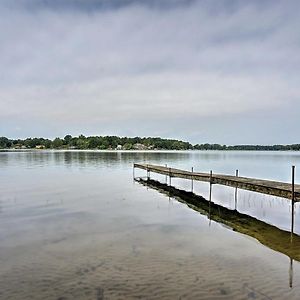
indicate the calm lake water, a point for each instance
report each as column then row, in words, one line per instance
column 74, row 225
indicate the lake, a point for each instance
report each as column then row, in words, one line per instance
column 75, row 225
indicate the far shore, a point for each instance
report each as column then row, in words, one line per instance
column 138, row 151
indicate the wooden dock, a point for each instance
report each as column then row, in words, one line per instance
column 279, row 189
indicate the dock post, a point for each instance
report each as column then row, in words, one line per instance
column 133, row 173
column 170, row 177
column 236, row 191
column 192, row 180
column 166, row 175
column 210, row 185
column 293, row 202
column 148, row 173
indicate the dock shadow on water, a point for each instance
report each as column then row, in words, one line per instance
column 268, row 235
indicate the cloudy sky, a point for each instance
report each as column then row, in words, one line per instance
column 218, row 71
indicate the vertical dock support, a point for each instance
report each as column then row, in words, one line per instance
column 133, row 172
column 210, row 185
column 236, row 191
column 210, row 188
column 293, row 202
column 166, row 175
column 170, row 177
column 192, row 176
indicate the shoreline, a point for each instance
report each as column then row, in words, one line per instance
column 139, row 151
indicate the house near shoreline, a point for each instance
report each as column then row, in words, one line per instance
column 40, row 147
column 19, row 146
column 139, row 146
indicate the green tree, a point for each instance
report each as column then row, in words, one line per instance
column 67, row 139
column 57, row 143
column 127, row 146
column 4, row 142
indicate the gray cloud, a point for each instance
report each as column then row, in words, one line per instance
column 92, row 5
column 186, row 69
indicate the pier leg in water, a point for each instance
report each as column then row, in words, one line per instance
column 210, row 190
column 293, row 202
column 210, row 185
column 236, row 191
column 192, row 187
column 133, row 172
column 170, row 183
column 166, row 175
column 148, row 173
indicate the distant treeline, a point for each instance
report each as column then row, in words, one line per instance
column 127, row 143
column 96, row 142
column 293, row 147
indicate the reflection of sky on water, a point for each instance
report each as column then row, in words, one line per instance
column 22, row 169
column 267, row 165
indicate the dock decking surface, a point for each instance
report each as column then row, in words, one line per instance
column 279, row 189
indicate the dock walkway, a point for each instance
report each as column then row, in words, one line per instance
column 279, row 189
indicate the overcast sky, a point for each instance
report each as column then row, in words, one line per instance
column 203, row 71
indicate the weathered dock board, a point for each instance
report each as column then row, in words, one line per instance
column 279, row 189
